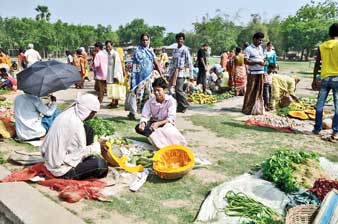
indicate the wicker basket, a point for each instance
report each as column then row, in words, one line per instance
column 302, row 214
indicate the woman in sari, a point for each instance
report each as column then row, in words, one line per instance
column 140, row 81
column 239, row 73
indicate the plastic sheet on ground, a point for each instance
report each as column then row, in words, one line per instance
column 329, row 167
column 263, row 191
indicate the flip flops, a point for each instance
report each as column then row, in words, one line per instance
column 331, row 138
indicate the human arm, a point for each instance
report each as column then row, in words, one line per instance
column 248, row 61
column 146, row 113
column 45, row 110
column 314, row 84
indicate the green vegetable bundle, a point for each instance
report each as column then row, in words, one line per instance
column 5, row 91
column 224, row 96
column 240, row 205
column 144, row 158
column 101, row 126
column 6, row 103
column 279, row 168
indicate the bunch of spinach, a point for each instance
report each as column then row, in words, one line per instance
column 101, row 126
column 279, row 168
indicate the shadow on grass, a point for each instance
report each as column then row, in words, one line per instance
column 156, row 180
column 138, row 138
column 244, row 126
column 231, row 109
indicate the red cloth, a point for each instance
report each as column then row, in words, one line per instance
column 323, row 186
column 71, row 190
column 252, row 122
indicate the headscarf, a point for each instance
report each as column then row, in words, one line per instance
column 85, row 104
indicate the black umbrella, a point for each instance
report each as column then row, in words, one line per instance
column 45, row 77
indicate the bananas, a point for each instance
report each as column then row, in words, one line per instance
column 201, row 98
column 118, row 141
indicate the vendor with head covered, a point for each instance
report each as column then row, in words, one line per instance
column 68, row 147
column 158, row 110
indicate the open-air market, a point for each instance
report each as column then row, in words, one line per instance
column 145, row 118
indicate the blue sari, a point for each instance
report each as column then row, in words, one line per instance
column 143, row 60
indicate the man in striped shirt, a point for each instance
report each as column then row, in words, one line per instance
column 254, row 58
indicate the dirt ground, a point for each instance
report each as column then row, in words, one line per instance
column 204, row 143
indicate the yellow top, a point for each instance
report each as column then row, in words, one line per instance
column 329, row 55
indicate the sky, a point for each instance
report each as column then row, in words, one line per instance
column 174, row 15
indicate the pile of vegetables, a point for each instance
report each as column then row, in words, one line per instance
column 5, row 91
column 280, row 168
column 144, row 158
column 6, row 103
column 201, row 98
column 101, row 126
column 240, row 205
column 224, row 96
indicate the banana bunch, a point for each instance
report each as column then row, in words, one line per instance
column 201, row 98
column 118, row 141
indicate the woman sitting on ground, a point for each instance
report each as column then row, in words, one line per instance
column 68, row 146
column 32, row 117
column 158, row 110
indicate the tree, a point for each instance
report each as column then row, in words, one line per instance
column 255, row 25
column 43, row 13
column 218, row 31
column 303, row 31
column 130, row 33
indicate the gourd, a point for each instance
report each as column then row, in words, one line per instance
column 298, row 114
column 172, row 162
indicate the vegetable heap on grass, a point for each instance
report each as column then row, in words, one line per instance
column 101, row 126
column 240, row 205
column 6, row 103
column 144, row 158
column 5, row 91
column 280, row 167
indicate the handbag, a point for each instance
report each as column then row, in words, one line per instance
column 116, row 91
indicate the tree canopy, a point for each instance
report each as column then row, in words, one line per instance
column 300, row 32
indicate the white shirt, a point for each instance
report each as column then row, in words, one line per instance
column 255, row 54
column 32, row 56
column 159, row 111
column 64, row 147
column 181, row 60
column 27, row 116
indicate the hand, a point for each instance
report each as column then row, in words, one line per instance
column 315, row 85
column 52, row 98
column 104, row 147
column 154, row 126
column 142, row 126
column 262, row 63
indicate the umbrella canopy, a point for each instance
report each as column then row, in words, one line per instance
column 45, row 77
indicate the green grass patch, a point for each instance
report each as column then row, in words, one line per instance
column 147, row 204
column 2, row 158
column 304, row 68
column 262, row 141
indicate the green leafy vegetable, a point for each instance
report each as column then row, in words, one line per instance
column 101, row 126
column 279, row 168
column 240, row 205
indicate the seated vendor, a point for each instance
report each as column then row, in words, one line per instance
column 282, row 85
column 32, row 117
column 68, row 147
column 158, row 110
column 8, row 80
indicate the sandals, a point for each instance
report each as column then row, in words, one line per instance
column 331, row 138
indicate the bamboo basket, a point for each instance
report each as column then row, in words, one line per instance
column 302, row 214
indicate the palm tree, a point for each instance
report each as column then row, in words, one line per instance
column 44, row 13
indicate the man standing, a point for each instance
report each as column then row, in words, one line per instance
column 101, row 69
column 254, row 58
column 31, row 55
column 181, row 60
column 202, row 66
column 328, row 55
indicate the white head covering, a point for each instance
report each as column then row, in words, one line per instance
column 30, row 46
column 82, row 49
column 85, row 104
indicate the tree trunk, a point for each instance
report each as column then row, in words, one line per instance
column 302, row 54
column 307, row 54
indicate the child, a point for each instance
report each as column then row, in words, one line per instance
column 267, row 92
column 8, row 81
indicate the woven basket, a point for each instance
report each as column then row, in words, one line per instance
column 302, row 214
